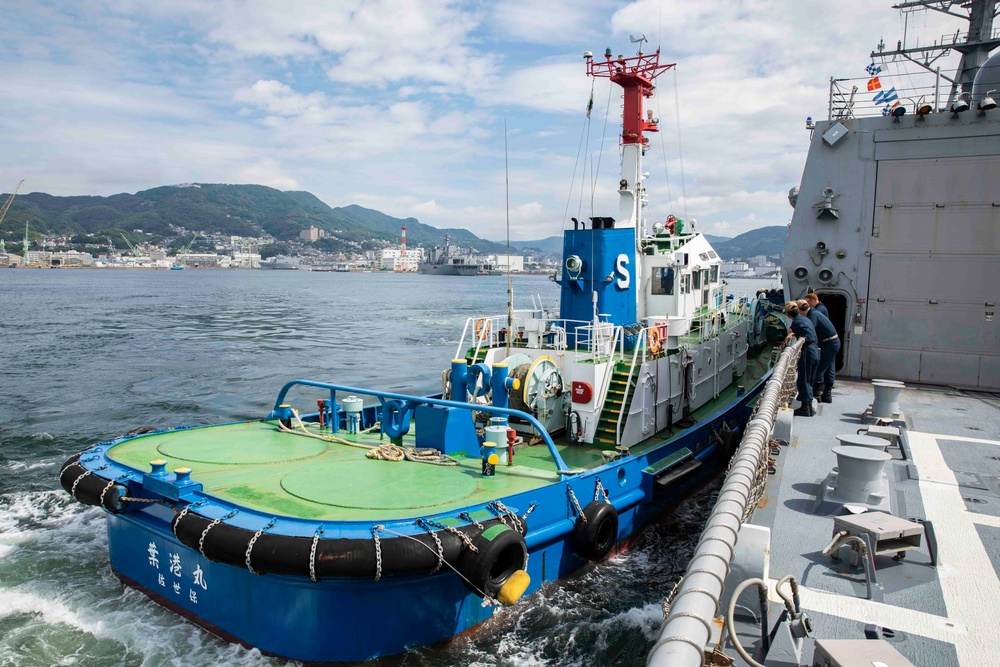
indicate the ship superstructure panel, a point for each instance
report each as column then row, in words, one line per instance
column 896, row 226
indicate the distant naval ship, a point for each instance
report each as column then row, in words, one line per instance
column 448, row 260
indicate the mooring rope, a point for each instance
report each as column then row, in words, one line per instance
column 378, row 452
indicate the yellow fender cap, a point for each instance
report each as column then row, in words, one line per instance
column 514, row 588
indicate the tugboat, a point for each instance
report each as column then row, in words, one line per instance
column 374, row 522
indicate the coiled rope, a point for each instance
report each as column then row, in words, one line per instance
column 377, row 452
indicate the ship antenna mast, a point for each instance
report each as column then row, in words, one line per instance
column 635, row 75
column 510, row 279
column 975, row 50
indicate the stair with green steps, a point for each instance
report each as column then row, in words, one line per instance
column 607, row 425
column 476, row 357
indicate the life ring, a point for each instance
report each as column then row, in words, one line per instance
column 500, row 552
column 594, row 538
column 654, row 340
column 483, row 326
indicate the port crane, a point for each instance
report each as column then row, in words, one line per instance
column 3, row 211
column 134, row 248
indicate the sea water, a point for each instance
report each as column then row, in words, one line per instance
column 88, row 355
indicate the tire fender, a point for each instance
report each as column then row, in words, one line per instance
column 594, row 538
column 501, row 552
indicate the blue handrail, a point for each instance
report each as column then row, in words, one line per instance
column 417, row 400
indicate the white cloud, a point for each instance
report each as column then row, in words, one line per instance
column 400, row 105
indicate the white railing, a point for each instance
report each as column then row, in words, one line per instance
column 619, row 341
column 488, row 331
column 640, row 344
column 709, row 324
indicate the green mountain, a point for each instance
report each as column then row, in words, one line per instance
column 251, row 210
column 242, row 210
column 769, row 241
column 238, row 210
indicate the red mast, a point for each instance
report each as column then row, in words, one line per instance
column 635, row 75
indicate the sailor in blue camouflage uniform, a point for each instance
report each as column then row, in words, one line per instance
column 801, row 327
column 829, row 346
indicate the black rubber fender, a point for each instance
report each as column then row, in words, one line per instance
column 92, row 489
column 501, row 551
column 274, row 553
column 594, row 538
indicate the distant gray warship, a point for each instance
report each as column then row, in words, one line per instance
column 868, row 534
column 448, row 260
column 280, row 262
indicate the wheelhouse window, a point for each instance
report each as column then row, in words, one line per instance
column 663, row 280
column 697, row 279
column 715, row 273
column 686, row 283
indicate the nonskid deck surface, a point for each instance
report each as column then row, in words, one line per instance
column 950, row 476
column 255, row 465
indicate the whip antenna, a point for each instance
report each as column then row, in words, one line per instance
column 510, row 280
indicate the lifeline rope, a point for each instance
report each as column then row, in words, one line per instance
column 487, row 600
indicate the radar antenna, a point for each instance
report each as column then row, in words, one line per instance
column 975, row 47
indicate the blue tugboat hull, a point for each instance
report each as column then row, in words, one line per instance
column 356, row 618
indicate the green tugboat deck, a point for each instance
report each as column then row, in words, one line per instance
column 255, row 465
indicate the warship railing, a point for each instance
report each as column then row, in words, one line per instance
column 413, row 401
column 687, row 629
column 849, row 97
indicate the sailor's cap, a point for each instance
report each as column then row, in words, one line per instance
column 791, row 307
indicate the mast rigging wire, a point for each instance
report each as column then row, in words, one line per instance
column 680, row 146
column 584, row 130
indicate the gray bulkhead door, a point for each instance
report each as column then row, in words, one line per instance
column 935, row 272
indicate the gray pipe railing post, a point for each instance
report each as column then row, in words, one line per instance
column 687, row 629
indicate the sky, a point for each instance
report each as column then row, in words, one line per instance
column 401, row 105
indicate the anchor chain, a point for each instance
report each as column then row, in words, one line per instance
column 576, row 503
column 312, row 554
column 253, row 540
column 378, row 550
column 455, row 531
column 215, row 522
column 183, row 514
column 600, row 491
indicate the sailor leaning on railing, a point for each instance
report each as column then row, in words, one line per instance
column 829, row 346
column 801, row 327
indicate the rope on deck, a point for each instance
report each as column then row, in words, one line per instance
column 378, row 452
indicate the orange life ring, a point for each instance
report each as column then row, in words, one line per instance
column 653, row 338
column 483, row 326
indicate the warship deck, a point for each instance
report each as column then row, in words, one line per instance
column 944, row 474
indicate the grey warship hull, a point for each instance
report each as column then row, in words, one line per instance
column 868, row 533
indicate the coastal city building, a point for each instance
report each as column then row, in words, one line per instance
column 502, row 262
